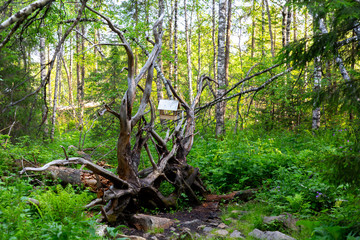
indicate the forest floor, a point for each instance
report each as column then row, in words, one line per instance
column 188, row 224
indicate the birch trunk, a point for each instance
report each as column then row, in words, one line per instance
column 176, row 62
column 288, row 25
column 227, row 46
column 283, row 25
column 338, row 59
column 43, row 76
column 188, row 54
column 220, row 107
column 159, row 86
column 317, row 81
column 213, row 40
column 56, row 87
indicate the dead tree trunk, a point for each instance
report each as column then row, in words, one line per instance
column 130, row 188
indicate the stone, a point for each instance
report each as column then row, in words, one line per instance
column 172, row 229
column 222, row 232
column 195, row 221
column 100, row 230
column 269, row 235
column 146, row 235
column 237, row 234
column 132, row 237
column 222, row 226
column 186, row 234
column 280, row 218
column 201, row 227
column 146, row 222
column 207, row 229
column 288, row 220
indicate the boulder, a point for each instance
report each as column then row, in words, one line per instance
column 236, row 234
column 269, row 235
column 132, row 237
column 222, row 232
column 147, row 222
column 287, row 219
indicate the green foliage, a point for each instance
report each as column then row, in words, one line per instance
column 59, row 215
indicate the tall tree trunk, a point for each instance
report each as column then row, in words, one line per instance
column 199, row 44
column 71, row 97
column 283, row 25
column 188, row 53
column 220, row 107
column 270, row 29
column 159, row 86
column 317, row 81
column 171, row 40
column 81, row 87
column 253, row 29
column 288, row 25
column 263, row 28
column 176, row 61
column 213, row 40
column 56, row 87
column 295, row 24
column 227, row 46
column 43, row 76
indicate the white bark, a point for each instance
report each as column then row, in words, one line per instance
column 57, row 80
column 220, row 107
column 317, row 85
column 188, row 54
column 338, row 59
column 43, row 77
column 23, row 13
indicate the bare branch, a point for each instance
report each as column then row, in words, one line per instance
column 254, row 89
column 23, row 13
column 93, row 167
column 93, row 44
column 51, row 63
column 13, row 30
column 116, row 114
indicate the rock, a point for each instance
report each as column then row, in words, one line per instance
column 154, row 238
column 201, row 227
column 132, row 237
column 186, row 234
column 147, row 222
column 269, row 235
column 172, row 229
column 222, row 232
column 207, row 229
column 146, row 235
column 236, row 234
column 222, row 226
column 280, row 218
column 100, row 230
column 288, row 220
column 214, row 223
column 195, row 221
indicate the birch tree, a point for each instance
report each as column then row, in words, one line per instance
column 221, row 71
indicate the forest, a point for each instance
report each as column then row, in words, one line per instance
column 180, row 119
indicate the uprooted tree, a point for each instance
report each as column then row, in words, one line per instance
column 128, row 189
column 131, row 188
